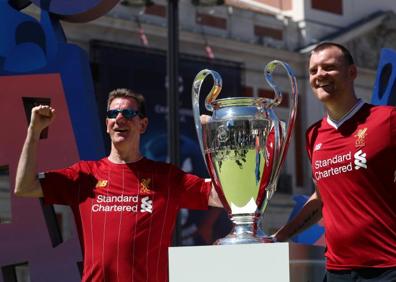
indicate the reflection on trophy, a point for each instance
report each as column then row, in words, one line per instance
column 244, row 145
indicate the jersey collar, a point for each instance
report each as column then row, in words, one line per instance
column 347, row 116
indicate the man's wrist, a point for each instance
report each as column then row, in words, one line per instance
column 33, row 133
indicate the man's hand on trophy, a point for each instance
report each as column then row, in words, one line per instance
column 205, row 119
column 272, row 239
column 214, row 199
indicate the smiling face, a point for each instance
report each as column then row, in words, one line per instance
column 122, row 130
column 330, row 75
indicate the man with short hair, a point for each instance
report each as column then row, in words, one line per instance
column 353, row 157
column 125, row 205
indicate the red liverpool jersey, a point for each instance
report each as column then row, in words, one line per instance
column 125, row 214
column 354, row 166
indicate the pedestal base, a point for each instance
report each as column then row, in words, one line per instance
column 273, row 262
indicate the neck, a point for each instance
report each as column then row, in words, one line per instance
column 338, row 109
column 124, row 156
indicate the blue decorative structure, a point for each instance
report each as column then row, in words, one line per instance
column 384, row 91
column 37, row 62
column 32, row 47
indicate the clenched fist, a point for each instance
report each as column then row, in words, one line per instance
column 42, row 116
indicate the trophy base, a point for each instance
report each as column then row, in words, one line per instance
column 237, row 239
column 245, row 231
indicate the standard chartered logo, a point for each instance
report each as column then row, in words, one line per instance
column 360, row 160
column 122, row 203
column 340, row 164
column 147, row 205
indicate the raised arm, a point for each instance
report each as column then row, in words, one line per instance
column 310, row 214
column 26, row 181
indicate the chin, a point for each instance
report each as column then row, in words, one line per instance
column 324, row 96
column 118, row 140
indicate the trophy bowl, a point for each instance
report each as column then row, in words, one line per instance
column 244, row 145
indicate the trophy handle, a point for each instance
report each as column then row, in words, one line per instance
column 285, row 138
column 212, row 95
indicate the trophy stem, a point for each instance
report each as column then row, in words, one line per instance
column 244, row 223
column 243, row 232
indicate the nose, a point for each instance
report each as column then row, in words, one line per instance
column 119, row 116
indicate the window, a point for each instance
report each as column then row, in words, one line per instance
column 334, row 6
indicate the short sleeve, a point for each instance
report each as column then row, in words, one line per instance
column 308, row 143
column 62, row 186
column 195, row 191
column 392, row 121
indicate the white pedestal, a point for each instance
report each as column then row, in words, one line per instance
column 276, row 262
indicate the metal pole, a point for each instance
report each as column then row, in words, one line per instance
column 173, row 93
column 173, row 74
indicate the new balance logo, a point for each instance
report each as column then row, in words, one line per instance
column 360, row 160
column 146, row 205
column 318, row 146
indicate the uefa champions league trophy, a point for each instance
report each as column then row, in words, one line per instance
column 244, row 145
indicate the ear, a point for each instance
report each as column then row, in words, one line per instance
column 143, row 125
column 353, row 71
column 107, row 129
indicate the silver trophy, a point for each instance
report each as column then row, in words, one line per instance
column 244, row 145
